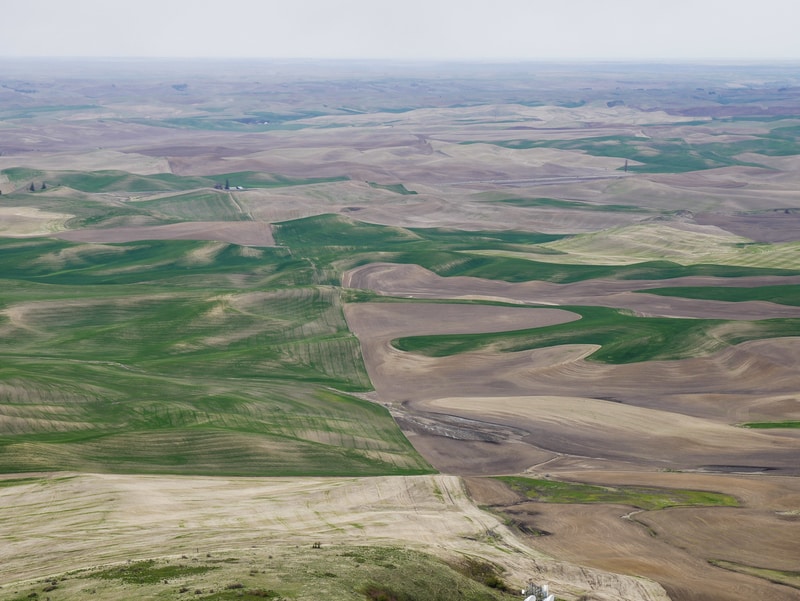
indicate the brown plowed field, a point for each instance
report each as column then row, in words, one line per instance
column 551, row 411
column 245, row 233
column 413, row 281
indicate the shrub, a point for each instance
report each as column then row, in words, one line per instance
column 379, row 593
column 484, row 572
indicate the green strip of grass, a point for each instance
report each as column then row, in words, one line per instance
column 771, row 425
column 254, row 121
column 396, row 188
column 782, row 295
column 569, row 204
column 511, row 269
column 648, row 498
column 132, row 418
column 785, row 577
column 122, row 181
column 673, row 155
column 337, row 243
column 18, row 175
column 167, row 263
column 150, row 572
column 257, row 179
column 623, row 338
column 9, row 482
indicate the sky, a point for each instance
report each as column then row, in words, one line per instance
column 490, row 30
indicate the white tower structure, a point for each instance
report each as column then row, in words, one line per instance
column 535, row 592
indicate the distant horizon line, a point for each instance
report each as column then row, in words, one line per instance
column 431, row 60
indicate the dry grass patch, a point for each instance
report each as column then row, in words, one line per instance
column 20, row 222
column 682, row 244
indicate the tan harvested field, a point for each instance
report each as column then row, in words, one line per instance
column 30, row 221
column 713, row 177
column 102, row 519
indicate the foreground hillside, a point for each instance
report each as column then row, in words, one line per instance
column 133, row 537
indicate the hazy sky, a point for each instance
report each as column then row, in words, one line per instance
column 404, row 29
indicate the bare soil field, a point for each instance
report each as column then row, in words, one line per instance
column 672, row 546
column 413, row 281
column 244, row 233
column 94, row 160
column 776, row 226
column 642, row 419
column 691, row 433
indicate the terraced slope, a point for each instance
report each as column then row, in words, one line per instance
column 182, row 357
